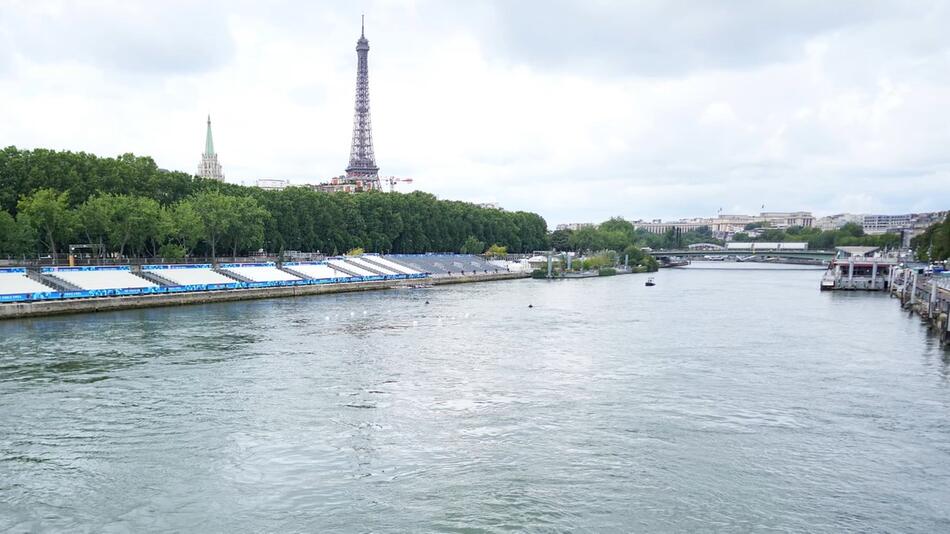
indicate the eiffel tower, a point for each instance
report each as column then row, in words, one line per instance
column 362, row 165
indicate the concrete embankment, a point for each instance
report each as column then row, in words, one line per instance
column 88, row 305
column 926, row 296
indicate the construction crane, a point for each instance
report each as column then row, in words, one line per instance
column 392, row 180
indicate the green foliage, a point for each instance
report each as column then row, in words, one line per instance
column 934, row 243
column 16, row 236
column 47, row 211
column 171, row 251
column 358, row 251
column 561, row 240
column 295, row 218
column 496, row 250
column 215, row 211
column 588, row 239
column 538, row 274
column 651, row 265
column 246, row 229
column 134, row 221
column 181, row 225
column 606, row 271
column 596, row 262
column 472, row 246
column 634, row 255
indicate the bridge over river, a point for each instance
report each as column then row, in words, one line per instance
column 781, row 254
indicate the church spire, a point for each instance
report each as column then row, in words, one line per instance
column 209, row 166
column 209, row 142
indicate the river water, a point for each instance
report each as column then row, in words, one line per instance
column 728, row 400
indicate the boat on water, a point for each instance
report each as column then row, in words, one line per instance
column 859, row 268
column 650, row 282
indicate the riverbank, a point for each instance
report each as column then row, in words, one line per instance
column 927, row 296
column 18, row 310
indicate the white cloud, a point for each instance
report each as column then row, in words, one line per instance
column 577, row 110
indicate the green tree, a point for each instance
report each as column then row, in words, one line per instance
column 47, row 211
column 94, row 218
column 134, row 221
column 216, row 212
column 297, row 218
column 245, row 231
column 561, row 240
column 16, row 237
column 634, row 254
column 496, row 250
column 588, row 239
column 180, row 225
column 934, row 243
column 472, row 246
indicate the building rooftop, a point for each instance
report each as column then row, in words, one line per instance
column 862, row 252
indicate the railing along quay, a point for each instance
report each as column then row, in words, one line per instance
column 926, row 294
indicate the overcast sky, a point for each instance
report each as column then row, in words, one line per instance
column 577, row 110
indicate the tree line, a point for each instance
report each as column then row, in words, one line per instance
column 934, row 243
column 128, row 206
column 619, row 235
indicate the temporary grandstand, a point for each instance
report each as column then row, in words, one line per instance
column 20, row 284
column 388, row 264
column 439, row 265
column 14, row 282
column 370, row 266
column 97, row 278
column 316, row 270
column 342, row 264
column 190, row 275
column 257, row 272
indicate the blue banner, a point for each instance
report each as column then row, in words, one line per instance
column 176, row 266
column 118, row 292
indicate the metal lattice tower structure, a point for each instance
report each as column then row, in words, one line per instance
column 362, row 159
column 209, row 166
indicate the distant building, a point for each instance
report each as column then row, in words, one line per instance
column 837, row 221
column 346, row 184
column 787, row 219
column 657, row 227
column 489, row 205
column 209, row 166
column 574, row 226
column 879, row 224
column 908, row 225
column 725, row 226
column 271, row 184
